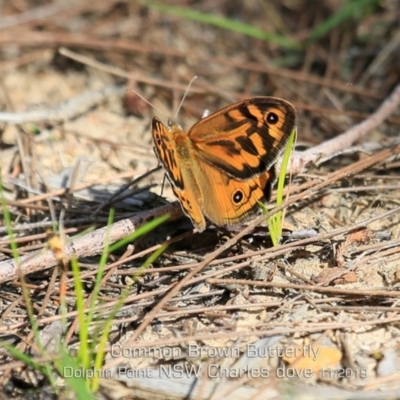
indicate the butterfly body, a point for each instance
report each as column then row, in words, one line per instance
column 224, row 165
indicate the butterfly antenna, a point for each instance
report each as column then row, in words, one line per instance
column 148, row 102
column 184, row 96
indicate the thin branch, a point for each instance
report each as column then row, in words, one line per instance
column 346, row 139
column 66, row 110
column 85, row 246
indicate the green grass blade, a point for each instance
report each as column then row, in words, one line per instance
column 103, row 341
column 45, row 369
column 102, row 265
column 84, row 351
column 353, row 9
column 275, row 222
column 142, row 230
column 8, row 223
column 18, row 355
column 68, row 367
column 224, row 23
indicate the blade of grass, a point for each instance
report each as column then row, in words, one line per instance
column 103, row 341
column 142, row 230
column 83, row 351
column 224, row 23
column 19, row 355
column 67, row 367
column 99, row 275
column 275, row 222
column 8, row 223
column 354, row 9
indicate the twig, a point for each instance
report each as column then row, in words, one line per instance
column 81, row 186
column 136, row 75
column 346, row 139
column 38, row 13
column 87, row 245
column 311, row 288
column 66, row 110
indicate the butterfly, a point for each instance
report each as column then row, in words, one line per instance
column 224, row 166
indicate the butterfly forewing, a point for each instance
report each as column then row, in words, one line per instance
column 177, row 166
column 165, row 149
column 245, row 138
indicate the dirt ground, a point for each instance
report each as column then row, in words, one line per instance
column 317, row 315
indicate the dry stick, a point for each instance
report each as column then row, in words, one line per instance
column 313, row 288
column 63, row 191
column 86, row 222
column 65, row 110
column 137, row 76
column 88, row 245
column 345, row 140
column 38, row 13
